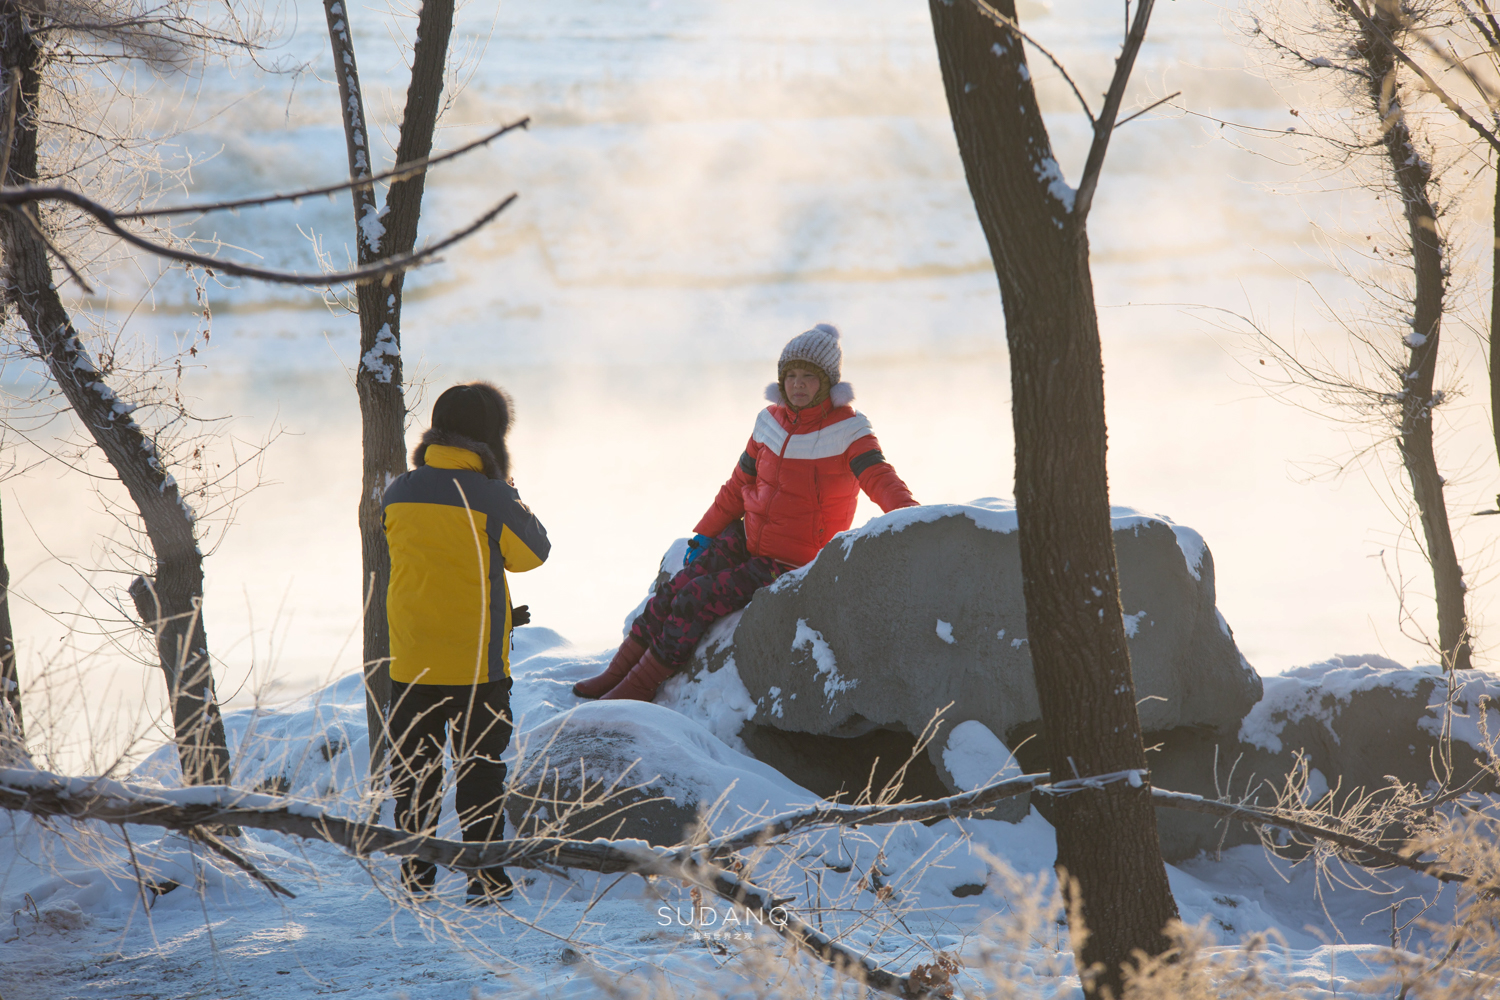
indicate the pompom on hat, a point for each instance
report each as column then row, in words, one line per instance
column 820, row 348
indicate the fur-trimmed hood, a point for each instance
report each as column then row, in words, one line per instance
column 841, row 394
column 494, row 466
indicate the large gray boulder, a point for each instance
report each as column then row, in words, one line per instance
column 921, row 611
column 1343, row 728
column 632, row 770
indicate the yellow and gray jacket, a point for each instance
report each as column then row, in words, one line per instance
column 453, row 527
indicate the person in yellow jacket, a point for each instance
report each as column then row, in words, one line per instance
column 454, row 524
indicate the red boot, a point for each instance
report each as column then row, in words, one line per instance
column 628, row 655
column 642, row 681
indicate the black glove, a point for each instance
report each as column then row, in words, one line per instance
column 520, row 615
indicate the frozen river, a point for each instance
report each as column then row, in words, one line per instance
column 701, row 182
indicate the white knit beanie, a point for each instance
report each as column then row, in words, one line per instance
column 819, row 346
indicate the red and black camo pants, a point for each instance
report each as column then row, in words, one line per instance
column 719, row 582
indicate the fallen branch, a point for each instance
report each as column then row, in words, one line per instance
column 1265, row 817
column 43, row 794
column 979, row 800
column 197, row 810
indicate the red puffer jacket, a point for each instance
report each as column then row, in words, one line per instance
column 799, row 479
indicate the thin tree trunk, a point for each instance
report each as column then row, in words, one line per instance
column 376, row 413
column 168, row 521
column 12, row 723
column 1413, row 175
column 378, row 379
column 1106, row 837
column 1495, row 317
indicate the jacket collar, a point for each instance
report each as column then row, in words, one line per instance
column 446, row 456
column 451, row 446
column 809, row 418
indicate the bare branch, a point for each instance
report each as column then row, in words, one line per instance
column 1105, row 126
column 1488, row 26
column 1307, row 61
column 210, row 840
column 1369, row 25
column 1153, row 104
column 1262, row 817
column 400, row 172
column 359, row 275
column 954, row 805
column 62, row 258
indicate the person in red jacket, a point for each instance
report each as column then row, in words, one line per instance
column 794, row 488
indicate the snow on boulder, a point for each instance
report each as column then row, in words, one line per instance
column 922, row 608
column 633, row 770
column 974, row 757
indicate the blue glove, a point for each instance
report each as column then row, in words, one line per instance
column 697, row 545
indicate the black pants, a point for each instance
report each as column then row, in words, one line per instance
column 477, row 717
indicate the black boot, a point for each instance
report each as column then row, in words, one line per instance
column 489, row 886
column 417, row 877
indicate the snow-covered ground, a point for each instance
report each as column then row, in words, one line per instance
column 82, row 927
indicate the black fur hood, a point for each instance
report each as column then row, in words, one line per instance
column 494, row 466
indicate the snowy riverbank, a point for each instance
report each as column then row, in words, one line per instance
column 83, row 928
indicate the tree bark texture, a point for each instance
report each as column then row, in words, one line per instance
column 176, row 612
column 1106, row 838
column 378, row 379
column 11, row 721
column 1495, row 319
column 1412, row 174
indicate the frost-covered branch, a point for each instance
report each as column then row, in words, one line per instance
column 222, row 849
column 964, row 804
column 1368, row 24
column 1380, row 856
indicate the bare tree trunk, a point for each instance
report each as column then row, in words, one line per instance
column 378, row 380
column 1106, row 837
column 10, row 680
column 168, row 521
column 1495, row 318
column 381, row 416
column 1413, row 176
column 14, row 723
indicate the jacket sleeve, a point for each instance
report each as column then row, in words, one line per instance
column 729, row 506
column 876, row 476
column 522, row 539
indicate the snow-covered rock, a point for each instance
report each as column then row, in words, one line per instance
column 633, row 770
column 1358, row 721
column 921, row 610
